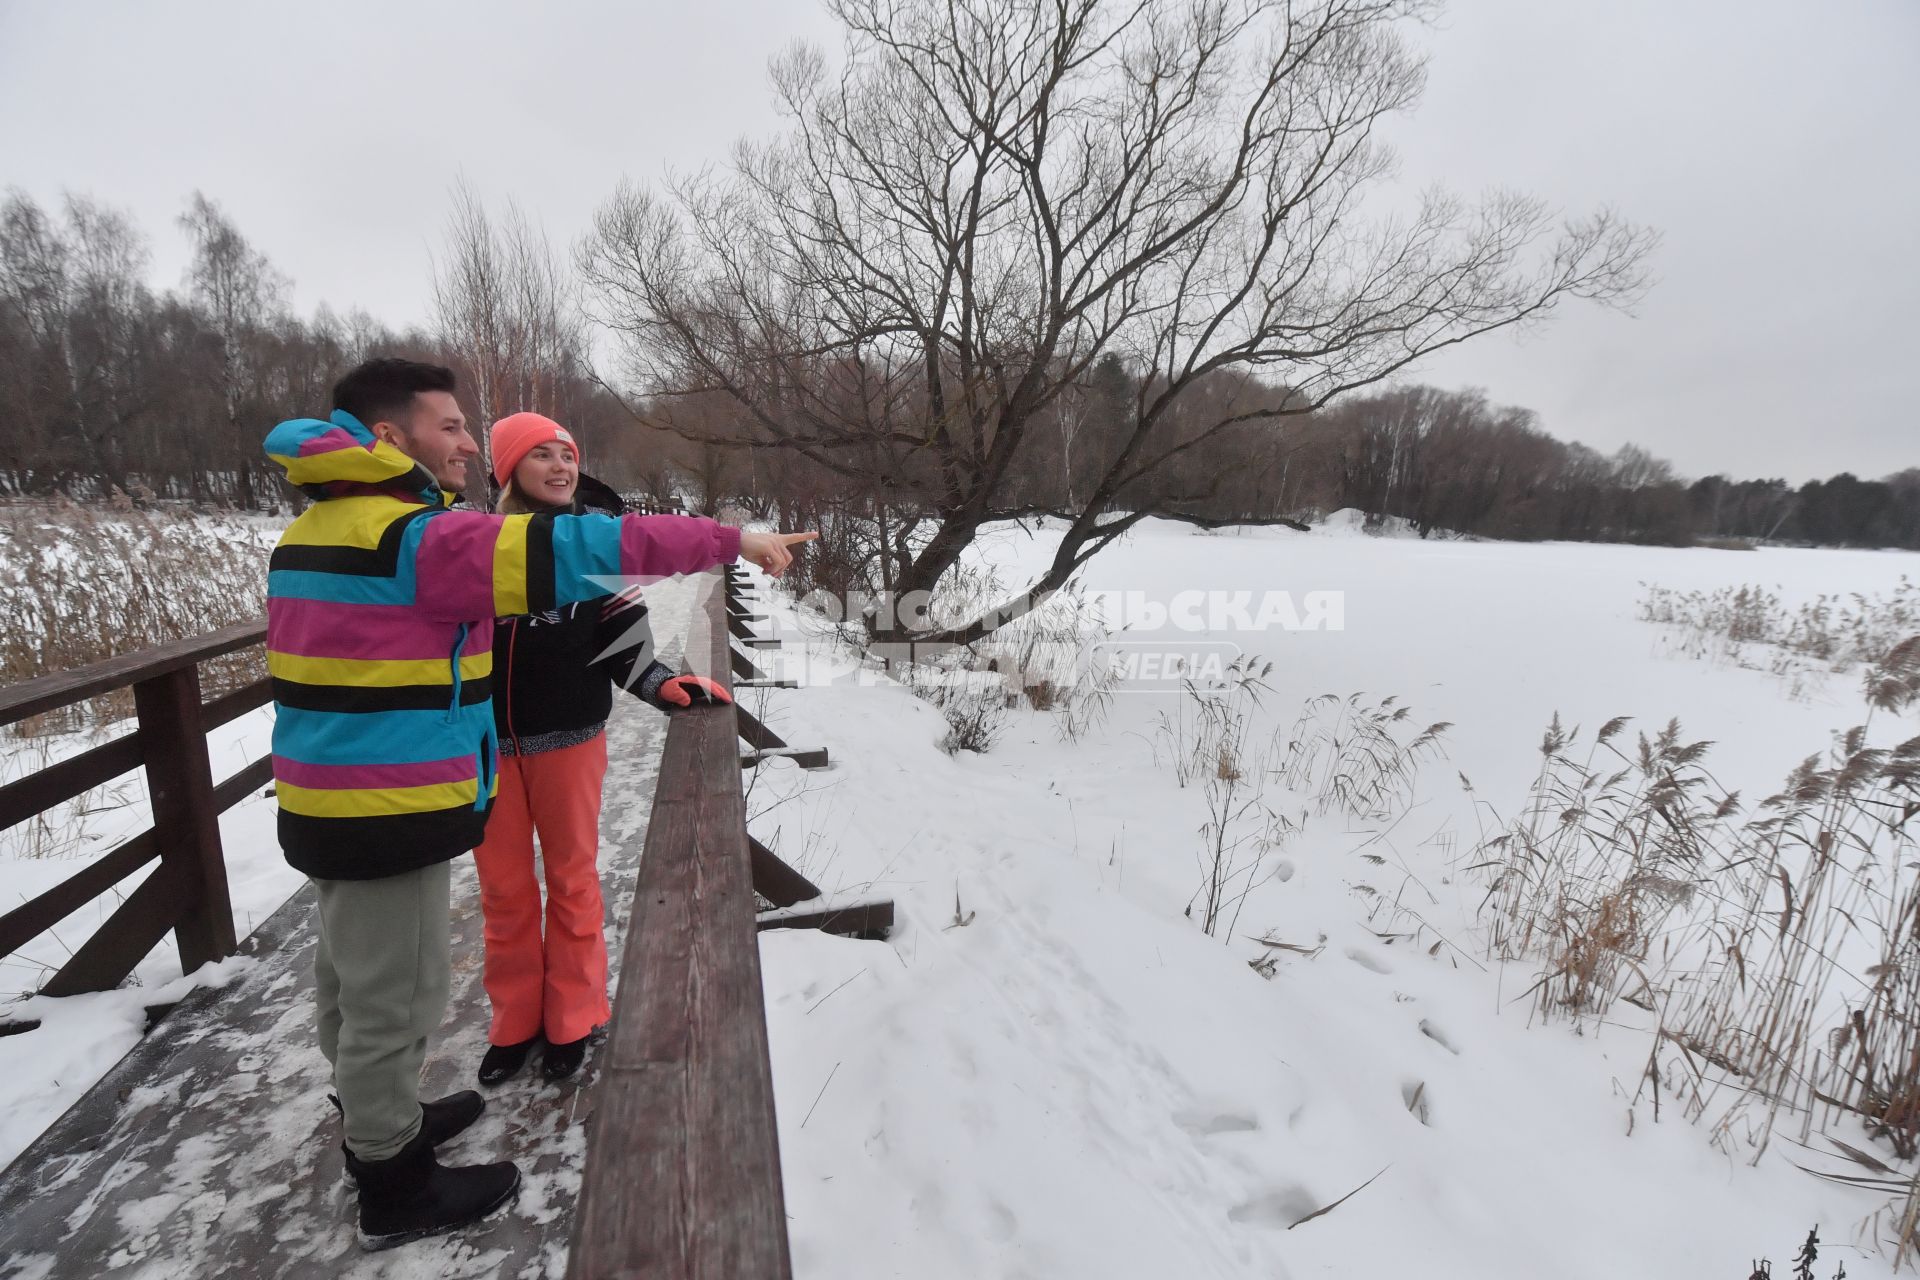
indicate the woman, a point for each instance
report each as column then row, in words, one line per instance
column 554, row 674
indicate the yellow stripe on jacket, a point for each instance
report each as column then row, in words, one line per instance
column 375, row 673
column 359, row 521
column 510, row 567
column 374, row 803
column 381, row 464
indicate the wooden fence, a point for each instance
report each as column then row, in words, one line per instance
column 187, row 892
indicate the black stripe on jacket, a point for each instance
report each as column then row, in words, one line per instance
column 540, row 564
column 401, row 697
column 374, row 847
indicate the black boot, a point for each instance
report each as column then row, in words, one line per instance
column 412, row 1195
column 562, row 1060
column 502, row 1062
column 444, row 1119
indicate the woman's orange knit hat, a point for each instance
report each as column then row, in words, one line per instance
column 518, row 434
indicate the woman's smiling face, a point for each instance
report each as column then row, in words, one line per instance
column 549, row 474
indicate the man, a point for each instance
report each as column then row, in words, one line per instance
column 380, row 608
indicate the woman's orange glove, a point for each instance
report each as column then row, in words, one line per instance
column 690, row 691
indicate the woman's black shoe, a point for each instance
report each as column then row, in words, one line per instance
column 502, row 1062
column 562, row 1060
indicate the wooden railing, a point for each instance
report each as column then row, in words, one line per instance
column 187, row 892
column 682, row 1177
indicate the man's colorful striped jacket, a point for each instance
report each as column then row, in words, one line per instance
column 380, row 608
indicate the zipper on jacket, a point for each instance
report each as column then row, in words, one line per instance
column 459, row 643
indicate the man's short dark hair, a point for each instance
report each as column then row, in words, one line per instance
column 382, row 390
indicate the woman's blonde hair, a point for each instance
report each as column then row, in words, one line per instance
column 512, row 502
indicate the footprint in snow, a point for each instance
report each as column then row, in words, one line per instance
column 1207, row 1124
column 1279, row 1208
column 1438, row 1036
column 1414, row 1094
column 1367, row 960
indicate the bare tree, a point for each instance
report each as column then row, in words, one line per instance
column 505, row 304
column 990, row 196
column 74, row 290
column 36, row 297
column 240, row 293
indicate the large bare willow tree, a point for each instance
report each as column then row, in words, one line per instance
column 989, row 195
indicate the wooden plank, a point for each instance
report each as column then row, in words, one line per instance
column 740, row 629
column 58, row 783
column 32, row 918
column 253, row 777
column 754, row 733
column 774, row 880
column 233, row 705
column 104, row 960
column 766, row 682
column 682, row 1178
column 805, row 757
column 856, row 920
column 760, row 642
column 185, row 819
column 62, row 688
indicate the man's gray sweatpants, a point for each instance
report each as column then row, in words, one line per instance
column 381, row 974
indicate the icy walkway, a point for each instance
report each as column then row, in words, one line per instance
column 211, row 1149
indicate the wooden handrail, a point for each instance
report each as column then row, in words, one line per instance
column 63, row 688
column 682, row 1176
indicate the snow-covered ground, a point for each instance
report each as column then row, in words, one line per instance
column 1060, row 1076
column 1078, row 1082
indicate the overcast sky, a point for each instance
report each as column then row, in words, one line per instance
column 1775, row 144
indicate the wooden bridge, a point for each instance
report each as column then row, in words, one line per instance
column 210, row 1149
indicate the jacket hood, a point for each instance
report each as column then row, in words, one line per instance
column 593, row 495
column 320, row 456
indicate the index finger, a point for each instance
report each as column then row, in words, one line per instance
column 788, row 539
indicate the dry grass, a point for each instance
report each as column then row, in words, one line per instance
column 1749, row 627
column 1358, row 757
column 1208, row 741
column 1607, row 846
column 1780, row 951
column 82, row 585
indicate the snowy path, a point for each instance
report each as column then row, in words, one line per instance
column 222, row 1157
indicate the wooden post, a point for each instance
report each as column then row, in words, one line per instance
column 742, row 666
column 186, row 821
